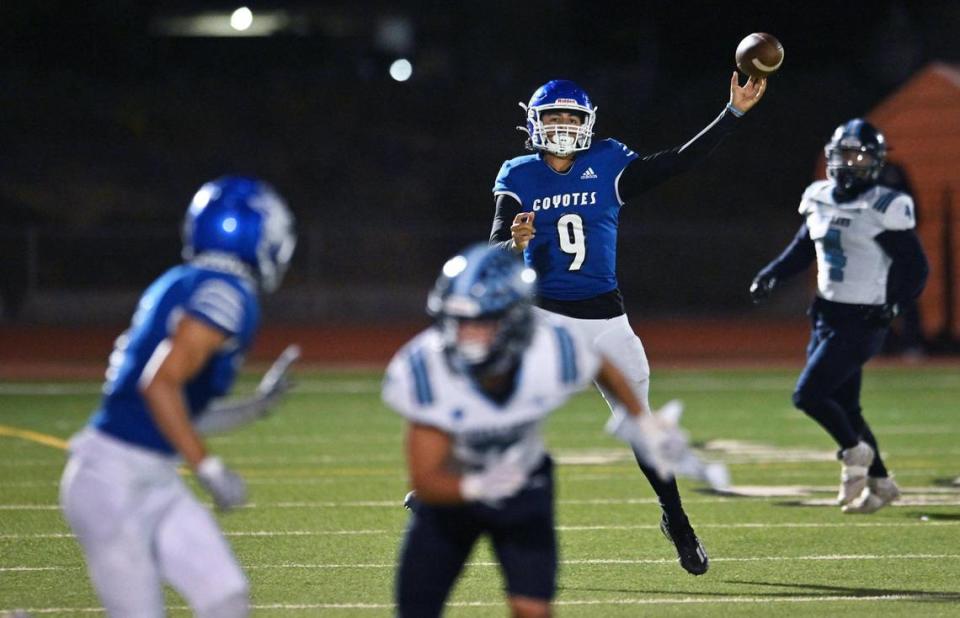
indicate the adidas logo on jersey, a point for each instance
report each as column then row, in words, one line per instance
column 587, row 175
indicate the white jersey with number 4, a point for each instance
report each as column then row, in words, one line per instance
column 851, row 266
column 421, row 386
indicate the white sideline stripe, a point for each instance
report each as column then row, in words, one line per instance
column 396, row 503
column 905, row 501
column 254, row 533
column 759, row 526
column 629, row 561
column 591, row 528
column 931, row 596
column 582, row 561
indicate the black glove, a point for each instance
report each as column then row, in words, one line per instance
column 881, row 315
column 761, row 287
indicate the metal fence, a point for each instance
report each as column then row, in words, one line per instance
column 379, row 272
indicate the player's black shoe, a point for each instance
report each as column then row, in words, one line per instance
column 690, row 551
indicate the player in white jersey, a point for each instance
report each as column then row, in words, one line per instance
column 869, row 261
column 138, row 523
column 475, row 389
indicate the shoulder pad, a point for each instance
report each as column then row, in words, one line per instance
column 895, row 210
column 818, row 192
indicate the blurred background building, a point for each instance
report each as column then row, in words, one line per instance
column 384, row 124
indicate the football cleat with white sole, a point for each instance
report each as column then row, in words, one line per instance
column 853, row 474
column 879, row 493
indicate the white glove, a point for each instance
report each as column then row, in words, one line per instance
column 500, row 479
column 650, row 440
column 227, row 488
column 222, row 416
column 658, row 439
column 275, row 381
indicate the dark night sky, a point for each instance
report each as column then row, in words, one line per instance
column 107, row 124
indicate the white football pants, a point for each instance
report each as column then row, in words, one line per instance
column 140, row 527
column 615, row 339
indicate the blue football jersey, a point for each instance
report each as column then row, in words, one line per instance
column 224, row 300
column 577, row 214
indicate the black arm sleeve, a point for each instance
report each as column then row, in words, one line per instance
column 649, row 171
column 909, row 270
column 795, row 258
column 507, row 208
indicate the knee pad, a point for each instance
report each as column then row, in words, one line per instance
column 236, row 605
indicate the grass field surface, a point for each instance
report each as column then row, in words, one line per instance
column 326, row 474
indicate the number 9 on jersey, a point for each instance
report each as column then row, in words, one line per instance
column 572, row 239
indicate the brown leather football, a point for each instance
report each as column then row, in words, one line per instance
column 759, row 54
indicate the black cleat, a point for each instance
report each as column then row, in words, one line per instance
column 690, row 551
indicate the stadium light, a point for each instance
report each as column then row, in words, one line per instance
column 401, row 70
column 241, row 19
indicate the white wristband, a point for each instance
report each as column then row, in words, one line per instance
column 471, row 487
column 211, row 466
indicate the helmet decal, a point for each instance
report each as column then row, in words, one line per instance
column 243, row 219
column 484, row 284
column 855, row 155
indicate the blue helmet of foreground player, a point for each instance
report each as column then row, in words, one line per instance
column 559, row 139
column 242, row 218
column 855, row 155
column 489, row 285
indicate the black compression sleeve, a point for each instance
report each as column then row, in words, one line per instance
column 507, row 208
column 649, row 171
column 795, row 258
column 909, row 270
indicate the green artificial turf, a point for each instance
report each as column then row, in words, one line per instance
column 326, row 475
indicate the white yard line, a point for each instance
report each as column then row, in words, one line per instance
column 586, row 528
column 934, row 496
column 564, row 477
column 573, row 562
column 666, row 384
column 741, row 600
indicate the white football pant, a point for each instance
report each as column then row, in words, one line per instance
column 615, row 339
column 141, row 527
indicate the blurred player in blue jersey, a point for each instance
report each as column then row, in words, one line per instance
column 869, row 261
column 561, row 207
column 138, row 523
column 475, row 389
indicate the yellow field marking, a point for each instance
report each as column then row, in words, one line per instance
column 52, row 441
column 33, row 436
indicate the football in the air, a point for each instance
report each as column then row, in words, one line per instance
column 759, row 54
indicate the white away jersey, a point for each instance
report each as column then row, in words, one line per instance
column 421, row 386
column 851, row 265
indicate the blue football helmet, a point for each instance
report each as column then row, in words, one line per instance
column 855, row 155
column 559, row 139
column 485, row 284
column 241, row 218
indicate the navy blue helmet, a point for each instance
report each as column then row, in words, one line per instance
column 241, row 218
column 855, row 155
column 559, row 139
column 484, row 284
